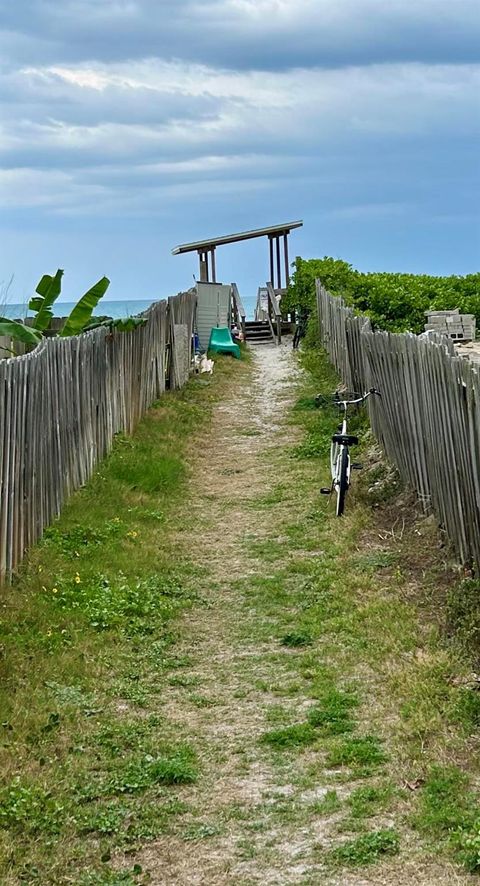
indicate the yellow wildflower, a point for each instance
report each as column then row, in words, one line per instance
column 54, row 590
column 77, row 579
column 49, row 633
column 40, row 568
column 132, row 533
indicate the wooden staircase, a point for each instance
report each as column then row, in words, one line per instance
column 258, row 332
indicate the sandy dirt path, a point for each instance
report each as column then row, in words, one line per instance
column 252, row 817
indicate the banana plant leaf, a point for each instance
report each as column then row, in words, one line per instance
column 100, row 320
column 19, row 332
column 82, row 312
column 48, row 289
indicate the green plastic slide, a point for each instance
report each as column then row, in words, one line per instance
column 222, row 342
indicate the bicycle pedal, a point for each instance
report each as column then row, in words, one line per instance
column 356, row 466
column 325, row 490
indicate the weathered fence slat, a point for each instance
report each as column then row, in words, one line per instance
column 61, row 406
column 428, row 417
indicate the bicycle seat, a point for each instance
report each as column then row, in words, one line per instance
column 345, row 439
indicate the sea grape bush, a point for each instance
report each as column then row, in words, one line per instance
column 395, row 302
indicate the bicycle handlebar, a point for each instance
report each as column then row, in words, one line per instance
column 337, row 400
column 362, row 398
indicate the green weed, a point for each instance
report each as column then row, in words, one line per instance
column 463, row 614
column 135, row 467
column 365, row 801
column 175, row 766
column 73, row 541
column 28, row 808
column 366, row 849
column 333, row 715
column 449, row 810
column 466, row 708
column 119, row 604
column 378, row 560
column 112, row 878
column 298, row 735
column 365, row 752
column 296, row 638
column 467, row 843
column 446, row 804
column 329, row 804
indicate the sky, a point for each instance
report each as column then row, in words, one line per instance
column 130, row 126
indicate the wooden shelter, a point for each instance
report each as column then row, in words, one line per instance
column 278, row 252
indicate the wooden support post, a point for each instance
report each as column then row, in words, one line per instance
column 285, row 251
column 214, row 275
column 279, row 272
column 203, row 267
column 270, row 244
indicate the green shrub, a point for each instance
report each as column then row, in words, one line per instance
column 395, row 302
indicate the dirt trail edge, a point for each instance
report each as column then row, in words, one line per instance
column 265, row 809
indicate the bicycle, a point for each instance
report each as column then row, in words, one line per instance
column 340, row 463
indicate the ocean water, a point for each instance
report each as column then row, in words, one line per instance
column 249, row 302
column 115, row 309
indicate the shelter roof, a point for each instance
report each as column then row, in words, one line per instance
column 235, row 238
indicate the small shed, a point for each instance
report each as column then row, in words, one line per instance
column 213, row 309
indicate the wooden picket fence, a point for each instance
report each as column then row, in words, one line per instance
column 427, row 419
column 62, row 404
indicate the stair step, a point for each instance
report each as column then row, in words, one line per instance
column 262, row 335
column 258, row 332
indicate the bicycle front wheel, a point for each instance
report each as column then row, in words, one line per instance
column 341, row 482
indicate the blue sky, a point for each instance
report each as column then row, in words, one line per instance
column 129, row 126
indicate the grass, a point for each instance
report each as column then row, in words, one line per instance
column 366, row 849
column 298, row 735
column 340, row 691
column 333, row 715
column 294, row 639
column 367, row 800
column 89, row 762
column 445, row 801
column 329, row 804
column 463, row 614
column 364, row 752
column 369, row 602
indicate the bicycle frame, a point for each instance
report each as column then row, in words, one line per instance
column 336, row 448
column 340, row 462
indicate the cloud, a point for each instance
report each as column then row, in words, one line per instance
column 230, row 113
column 264, row 34
column 159, row 116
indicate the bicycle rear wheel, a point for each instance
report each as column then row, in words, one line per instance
column 341, row 482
